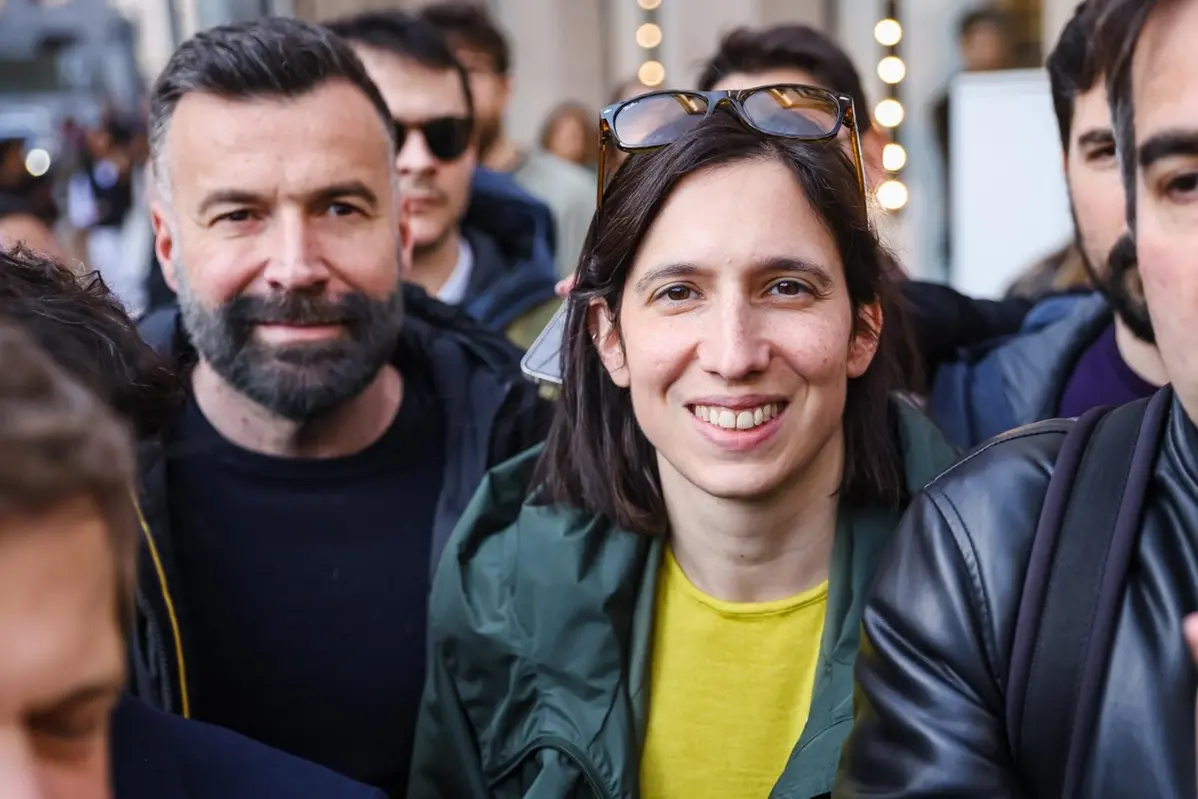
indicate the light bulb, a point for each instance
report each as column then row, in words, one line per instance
column 893, row 195
column 889, row 113
column 894, row 157
column 891, row 69
column 648, row 35
column 648, row 5
column 37, row 162
column 888, row 32
column 651, row 73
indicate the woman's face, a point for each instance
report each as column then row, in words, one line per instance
column 736, row 333
column 568, row 139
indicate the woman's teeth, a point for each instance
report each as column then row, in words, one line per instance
column 730, row 419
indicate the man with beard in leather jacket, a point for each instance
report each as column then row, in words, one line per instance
column 939, row 631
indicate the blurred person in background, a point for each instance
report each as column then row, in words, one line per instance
column 567, row 188
column 486, row 251
column 1080, row 351
column 965, row 686
column 100, row 199
column 690, row 551
column 82, row 327
column 341, row 416
column 571, row 133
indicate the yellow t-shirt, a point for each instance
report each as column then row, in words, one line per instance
column 730, row 689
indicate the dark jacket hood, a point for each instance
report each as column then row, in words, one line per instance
column 512, row 236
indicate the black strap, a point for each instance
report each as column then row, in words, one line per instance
column 1072, row 590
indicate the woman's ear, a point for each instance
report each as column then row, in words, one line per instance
column 606, row 338
column 864, row 344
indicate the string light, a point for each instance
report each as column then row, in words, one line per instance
column 891, row 69
column 889, row 113
column 894, row 157
column 651, row 73
column 648, row 37
column 892, row 194
column 888, row 32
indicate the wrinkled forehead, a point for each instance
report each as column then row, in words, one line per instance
column 1165, row 71
column 331, row 134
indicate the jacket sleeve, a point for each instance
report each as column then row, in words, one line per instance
column 929, row 710
column 445, row 759
column 944, row 320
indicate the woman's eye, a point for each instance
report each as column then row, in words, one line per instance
column 677, row 293
column 790, row 288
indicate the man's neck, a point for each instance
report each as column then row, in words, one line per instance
column 756, row 552
column 1141, row 357
column 503, row 155
column 432, row 266
column 344, row 431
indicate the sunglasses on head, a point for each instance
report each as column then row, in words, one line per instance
column 788, row 111
column 447, row 137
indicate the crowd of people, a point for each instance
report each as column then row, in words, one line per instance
column 785, row 523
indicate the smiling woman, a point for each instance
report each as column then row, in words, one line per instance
column 665, row 600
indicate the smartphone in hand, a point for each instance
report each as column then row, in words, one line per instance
column 543, row 361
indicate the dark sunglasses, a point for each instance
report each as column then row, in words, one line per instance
column 447, row 137
column 787, row 110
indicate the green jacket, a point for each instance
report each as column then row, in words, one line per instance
column 541, row 621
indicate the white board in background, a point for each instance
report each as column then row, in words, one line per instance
column 1010, row 205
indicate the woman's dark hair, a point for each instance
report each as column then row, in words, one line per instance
column 596, row 457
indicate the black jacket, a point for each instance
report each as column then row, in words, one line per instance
column 159, row 756
column 938, row 633
column 496, row 415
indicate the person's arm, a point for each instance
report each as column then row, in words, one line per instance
column 945, row 321
column 929, row 712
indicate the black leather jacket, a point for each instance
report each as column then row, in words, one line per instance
column 938, row 631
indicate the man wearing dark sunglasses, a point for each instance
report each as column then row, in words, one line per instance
column 486, row 248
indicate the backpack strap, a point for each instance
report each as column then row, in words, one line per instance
column 1073, row 587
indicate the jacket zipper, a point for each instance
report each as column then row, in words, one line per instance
column 573, row 753
column 172, row 617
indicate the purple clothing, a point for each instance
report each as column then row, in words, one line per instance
column 1102, row 377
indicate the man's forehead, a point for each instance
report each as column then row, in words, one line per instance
column 1165, row 69
column 299, row 143
column 766, row 77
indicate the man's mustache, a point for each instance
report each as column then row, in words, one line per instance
column 296, row 308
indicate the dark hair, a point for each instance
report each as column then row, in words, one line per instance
column 61, row 443
column 596, row 457
column 1120, row 23
column 1071, row 68
column 789, row 47
column 981, row 17
column 271, row 57
column 84, row 327
column 469, row 25
column 407, row 36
